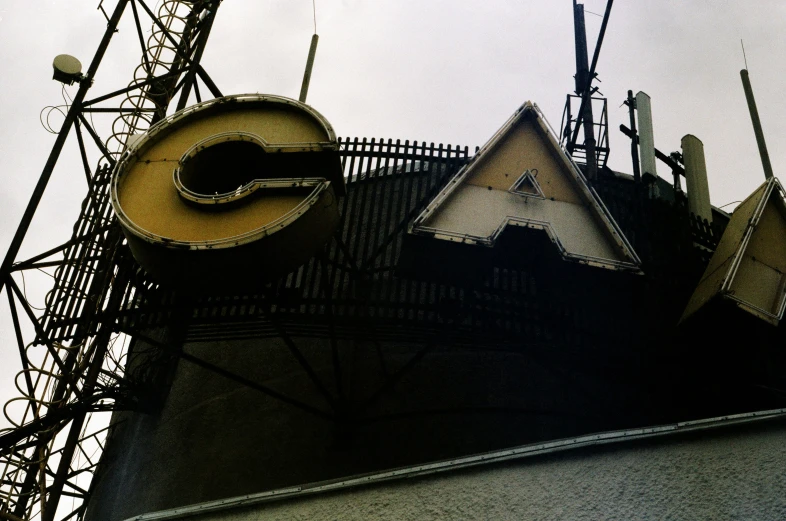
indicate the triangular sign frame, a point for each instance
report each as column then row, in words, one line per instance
column 527, row 185
column 551, row 194
column 748, row 267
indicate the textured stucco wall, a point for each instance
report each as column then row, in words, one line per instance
column 737, row 474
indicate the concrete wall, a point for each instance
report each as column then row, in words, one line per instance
column 215, row 438
column 736, row 474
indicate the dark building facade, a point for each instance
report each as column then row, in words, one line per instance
column 389, row 349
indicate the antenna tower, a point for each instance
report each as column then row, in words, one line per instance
column 72, row 368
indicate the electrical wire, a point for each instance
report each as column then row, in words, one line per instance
column 46, row 273
column 49, row 109
column 67, row 99
column 45, row 119
column 24, row 292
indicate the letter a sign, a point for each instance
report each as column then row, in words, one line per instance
column 522, row 177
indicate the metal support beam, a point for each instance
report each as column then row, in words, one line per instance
column 61, row 365
column 202, row 74
column 675, row 167
column 32, row 260
column 100, row 348
column 83, row 155
column 64, row 412
column 97, row 140
column 131, row 87
column 22, row 354
column 141, row 37
column 190, row 80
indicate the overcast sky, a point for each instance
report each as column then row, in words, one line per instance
column 433, row 70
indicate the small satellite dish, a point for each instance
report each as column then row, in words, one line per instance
column 67, row 69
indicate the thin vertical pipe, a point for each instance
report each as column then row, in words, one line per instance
column 312, row 51
column 634, row 146
column 754, row 112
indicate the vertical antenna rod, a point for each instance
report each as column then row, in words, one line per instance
column 309, row 65
column 765, row 157
column 634, row 147
column 582, row 58
column 583, row 88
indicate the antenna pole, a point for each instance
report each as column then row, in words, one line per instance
column 582, row 59
column 634, row 142
column 765, row 157
column 584, row 77
column 309, row 65
column 583, row 82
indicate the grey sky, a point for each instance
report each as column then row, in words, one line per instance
column 435, row 70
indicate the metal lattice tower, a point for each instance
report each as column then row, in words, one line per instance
column 73, row 367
